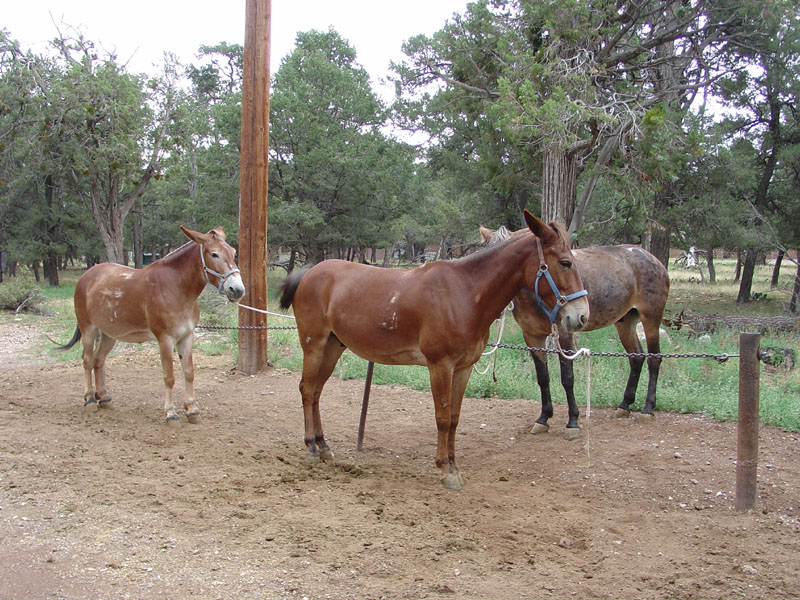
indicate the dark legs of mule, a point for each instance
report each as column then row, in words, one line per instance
column 543, row 379
column 626, row 328
column 629, row 396
column 653, row 367
column 568, row 382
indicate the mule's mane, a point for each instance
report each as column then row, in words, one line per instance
column 503, row 233
column 500, row 235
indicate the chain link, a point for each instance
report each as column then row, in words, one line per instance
column 243, row 327
column 720, row 358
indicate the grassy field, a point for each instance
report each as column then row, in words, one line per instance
column 692, row 385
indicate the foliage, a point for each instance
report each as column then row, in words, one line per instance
column 21, row 293
column 336, row 180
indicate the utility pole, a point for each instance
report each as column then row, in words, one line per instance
column 253, row 185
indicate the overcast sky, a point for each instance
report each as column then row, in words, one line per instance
column 140, row 32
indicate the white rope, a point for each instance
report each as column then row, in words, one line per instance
column 266, row 312
column 495, row 346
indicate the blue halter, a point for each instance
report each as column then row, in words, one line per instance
column 561, row 300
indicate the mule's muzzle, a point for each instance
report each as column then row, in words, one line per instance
column 574, row 323
column 234, row 288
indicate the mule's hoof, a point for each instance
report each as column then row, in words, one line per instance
column 539, row 428
column 312, row 459
column 325, row 454
column 104, row 402
column 622, row 413
column 647, row 416
column 572, row 433
column 194, row 417
column 173, row 420
column 453, row 481
column 90, row 405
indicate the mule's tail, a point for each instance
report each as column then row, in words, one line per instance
column 289, row 287
column 75, row 337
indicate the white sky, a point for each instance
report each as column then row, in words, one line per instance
column 140, row 31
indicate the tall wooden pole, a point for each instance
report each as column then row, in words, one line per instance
column 747, row 431
column 253, row 185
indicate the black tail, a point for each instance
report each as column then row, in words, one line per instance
column 75, row 337
column 289, row 287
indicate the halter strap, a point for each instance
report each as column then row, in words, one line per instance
column 220, row 277
column 561, row 300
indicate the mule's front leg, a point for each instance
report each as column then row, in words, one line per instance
column 185, row 354
column 543, row 379
column 441, row 388
column 165, row 350
column 568, row 383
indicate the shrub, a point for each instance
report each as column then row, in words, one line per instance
column 21, row 293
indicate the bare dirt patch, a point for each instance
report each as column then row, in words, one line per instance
column 114, row 504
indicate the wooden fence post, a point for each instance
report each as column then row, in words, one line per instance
column 747, row 432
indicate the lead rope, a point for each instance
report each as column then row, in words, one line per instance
column 493, row 361
column 588, row 354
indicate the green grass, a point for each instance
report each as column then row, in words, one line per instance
column 691, row 385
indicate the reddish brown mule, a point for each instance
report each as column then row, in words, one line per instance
column 159, row 302
column 437, row 315
column 626, row 285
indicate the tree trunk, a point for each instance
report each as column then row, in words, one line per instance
column 35, row 269
column 794, row 303
column 712, row 271
column 776, row 270
column 659, row 233
column 603, row 159
column 137, row 239
column 737, row 274
column 50, row 269
column 558, row 186
column 748, row 268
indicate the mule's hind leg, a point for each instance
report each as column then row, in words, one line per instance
column 319, row 360
column 96, row 346
column 101, row 352
column 89, row 337
column 185, row 354
column 626, row 329
column 652, row 333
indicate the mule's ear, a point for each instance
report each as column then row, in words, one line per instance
column 486, row 233
column 217, row 233
column 195, row 236
column 538, row 227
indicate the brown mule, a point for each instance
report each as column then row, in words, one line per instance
column 626, row 285
column 437, row 315
column 159, row 302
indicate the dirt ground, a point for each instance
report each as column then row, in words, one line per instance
column 115, row 504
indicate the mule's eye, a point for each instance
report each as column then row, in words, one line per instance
column 566, row 264
column 215, row 255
